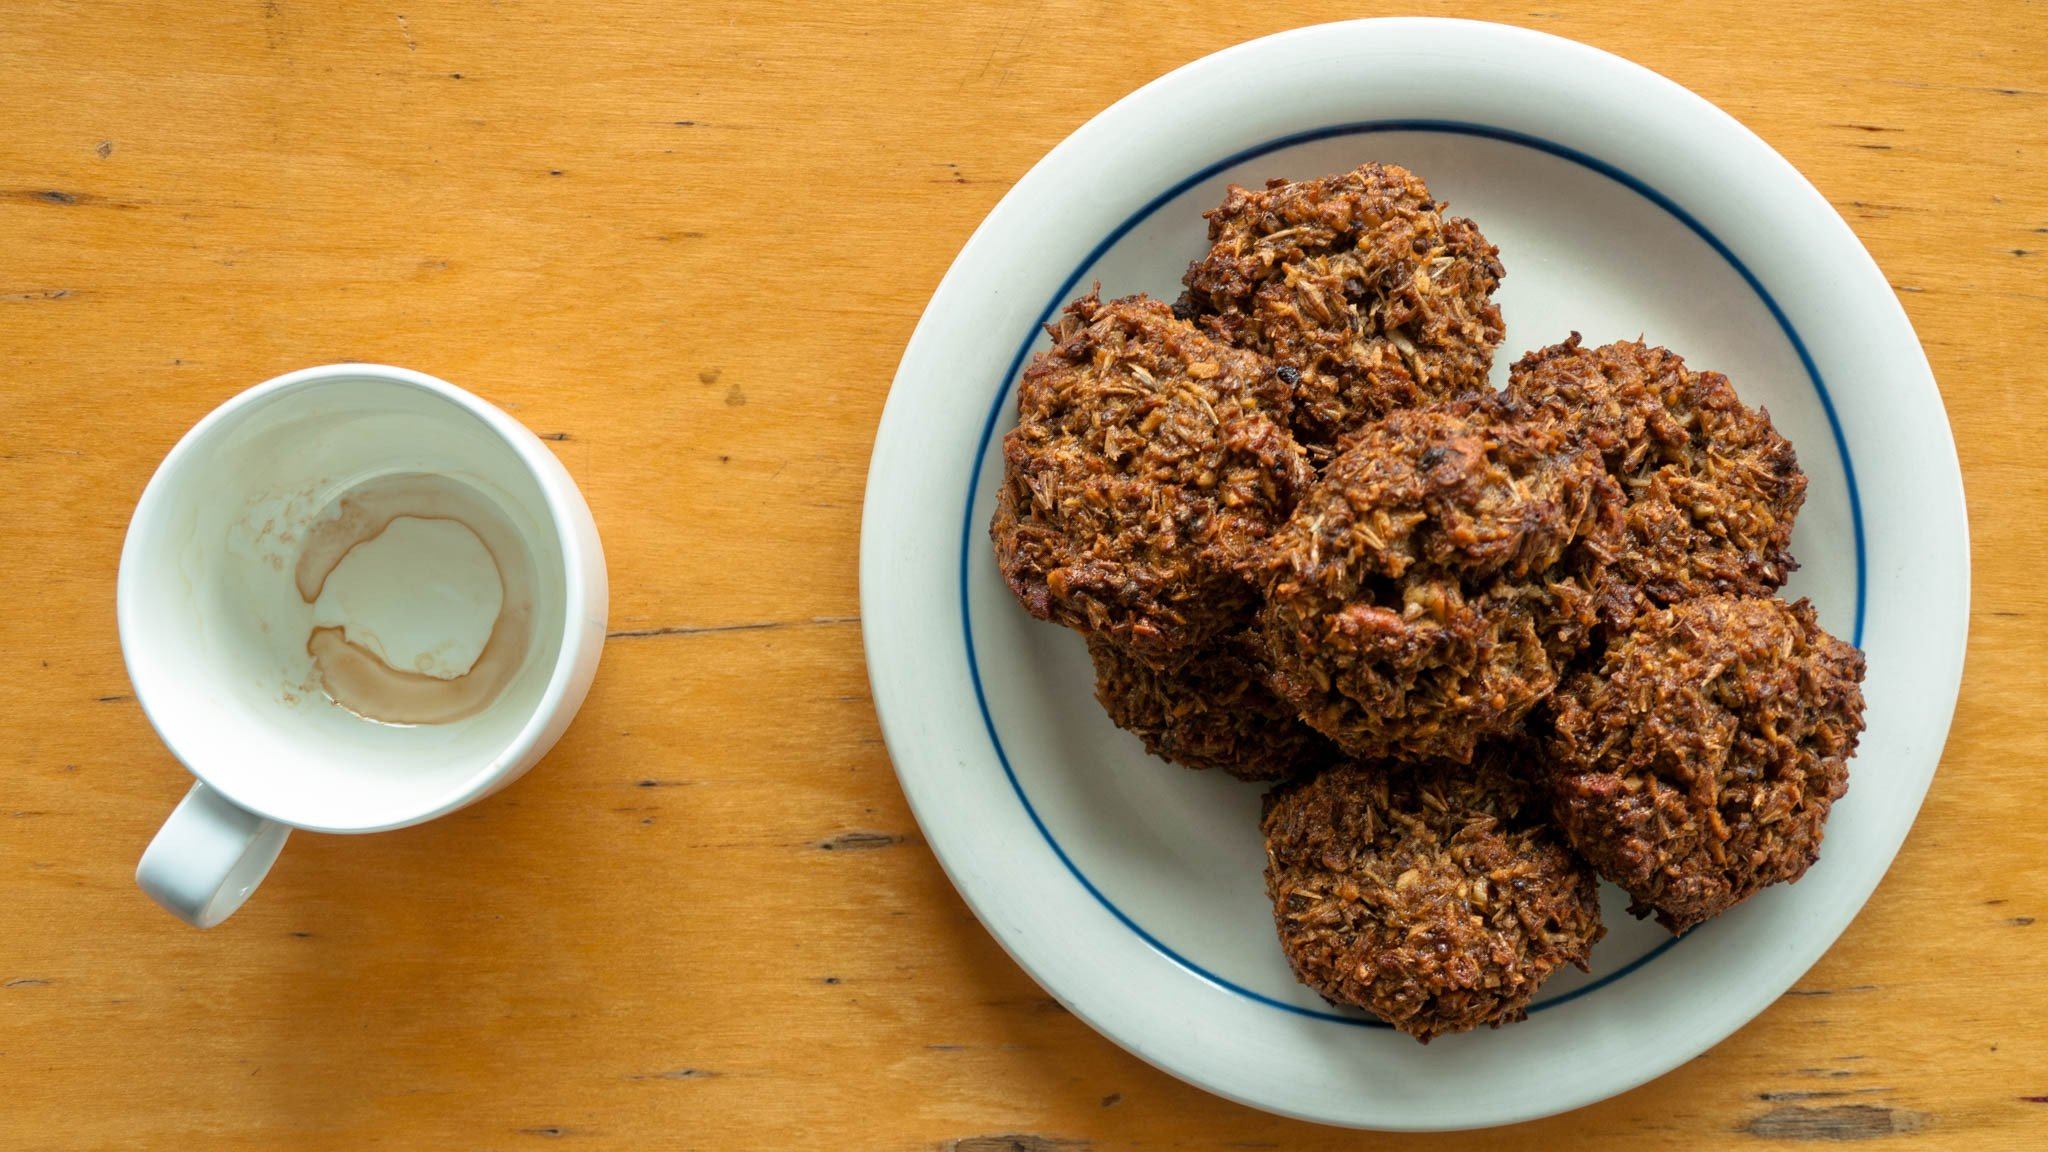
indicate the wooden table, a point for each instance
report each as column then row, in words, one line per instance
column 688, row 243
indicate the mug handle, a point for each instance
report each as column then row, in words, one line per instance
column 208, row 857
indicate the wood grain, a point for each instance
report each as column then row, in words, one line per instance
column 689, row 241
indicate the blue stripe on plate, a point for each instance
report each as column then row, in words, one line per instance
column 967, row 532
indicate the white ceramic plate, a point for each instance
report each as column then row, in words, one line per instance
column 1622, row 205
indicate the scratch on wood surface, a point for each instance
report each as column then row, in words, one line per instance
column 405, row 30
column 114, row 698
column 549, row 1132
column 1879, row 206
column 1834, row 991
column 859, row 842
column 27, row 982
column 61, row 198
column 1827, row 1073
column 723, row 127
column 704, row 629
column 38, row 294
column 1817, row 1094
column 2020, row 921
column 557, row 437
column 1988, row 90
column 1014, row 1142
column 676, row 1074
column 1836, row 1122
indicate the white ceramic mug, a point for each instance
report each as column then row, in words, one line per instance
column 208, row 611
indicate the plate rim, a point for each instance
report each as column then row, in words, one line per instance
column 875, row 555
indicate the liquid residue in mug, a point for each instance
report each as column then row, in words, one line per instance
column 422, row 600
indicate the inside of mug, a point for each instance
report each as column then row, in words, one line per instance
column 219, row 630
